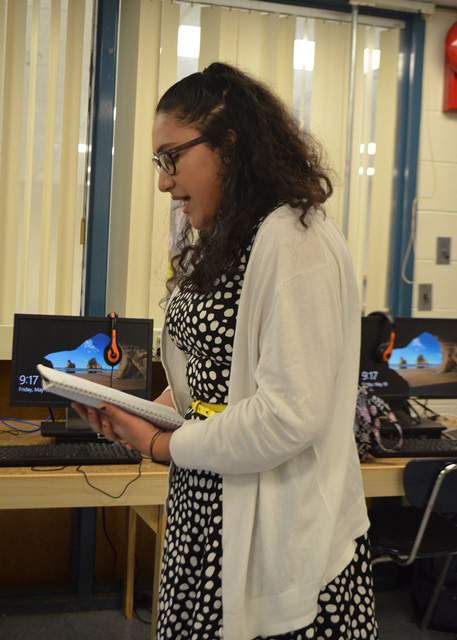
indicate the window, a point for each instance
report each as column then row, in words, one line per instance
column 44, row 76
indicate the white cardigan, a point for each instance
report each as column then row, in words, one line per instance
column 293, row 501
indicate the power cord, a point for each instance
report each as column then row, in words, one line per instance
column 105, row 531
column 412, row 236
column 80, row 470
column 433, row 414
column 135, row 611
column 140, row 600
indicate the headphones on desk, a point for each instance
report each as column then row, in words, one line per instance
column 113, row 352
column 384, row 350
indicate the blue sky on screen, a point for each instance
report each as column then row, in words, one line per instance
column 91, row 348
column 425, row 344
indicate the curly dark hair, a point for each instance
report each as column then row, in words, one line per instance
column 272, row 162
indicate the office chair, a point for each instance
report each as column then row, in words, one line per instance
column 427, row 528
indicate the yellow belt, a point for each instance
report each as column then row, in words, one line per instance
column 207, row 409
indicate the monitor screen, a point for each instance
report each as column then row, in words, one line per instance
column 423, row 363
column 76, row 345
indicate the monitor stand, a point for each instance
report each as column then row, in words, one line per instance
column 72, row 429
column 413, row 426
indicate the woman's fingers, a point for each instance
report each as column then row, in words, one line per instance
column 115, row 424
column 89, row 414
column 108, row 430
column 80, row 409
column 98, row 421
column 132, row 429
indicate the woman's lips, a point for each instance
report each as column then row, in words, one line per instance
column 185, row 203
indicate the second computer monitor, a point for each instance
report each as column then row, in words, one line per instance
column 423, row 363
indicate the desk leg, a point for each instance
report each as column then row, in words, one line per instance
column 157, row 567
column 130, row 564
column 84, row 540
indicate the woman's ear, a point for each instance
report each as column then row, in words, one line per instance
column 231, row 137
column 230, row 141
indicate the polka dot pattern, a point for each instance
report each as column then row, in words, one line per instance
column 345, row 606
column 190, row 602
column 203, row 326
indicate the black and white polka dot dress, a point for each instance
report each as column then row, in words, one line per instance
column 190, row 601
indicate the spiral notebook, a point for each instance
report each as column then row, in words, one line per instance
column 92, row 394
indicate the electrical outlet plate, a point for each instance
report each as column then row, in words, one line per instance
column 425, row 297
column 443, row 250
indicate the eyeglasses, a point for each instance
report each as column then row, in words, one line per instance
column 165, row 159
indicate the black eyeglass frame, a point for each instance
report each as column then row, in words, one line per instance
column 160, row 160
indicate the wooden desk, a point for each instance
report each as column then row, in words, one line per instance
column 383, row 477
column 22, row 488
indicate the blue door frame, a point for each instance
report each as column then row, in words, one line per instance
column 101, row 143
column 400, row 291
column 103, row 85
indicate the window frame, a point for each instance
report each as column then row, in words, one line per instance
column 95, row 271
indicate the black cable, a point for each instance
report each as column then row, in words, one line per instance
column 118, row 583
column 417, row 417
column 140, row 618
column 105, row 492
column 51, row 413
column 424, row 406
column 139, row 600
column 10, row 432
column 105, row 531
column 137, row 594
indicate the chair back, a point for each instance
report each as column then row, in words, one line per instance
column 419, row 480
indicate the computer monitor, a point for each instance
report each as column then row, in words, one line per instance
column 77, row 345
column 423, row 363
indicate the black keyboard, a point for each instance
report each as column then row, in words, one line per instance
column 418, row 448
column 62, row 455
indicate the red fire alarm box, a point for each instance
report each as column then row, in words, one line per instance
column 450, row 70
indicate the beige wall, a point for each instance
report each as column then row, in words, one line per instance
column 437, row 180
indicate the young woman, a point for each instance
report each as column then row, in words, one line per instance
column 266, row 526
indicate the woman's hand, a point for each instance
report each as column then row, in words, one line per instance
column 116, row 424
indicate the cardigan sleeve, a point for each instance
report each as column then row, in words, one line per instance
column 300, row 351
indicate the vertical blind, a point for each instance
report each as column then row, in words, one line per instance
column 45, row 49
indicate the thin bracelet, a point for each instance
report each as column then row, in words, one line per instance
column 151, row 446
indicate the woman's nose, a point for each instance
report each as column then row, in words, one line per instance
column 166, row 182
